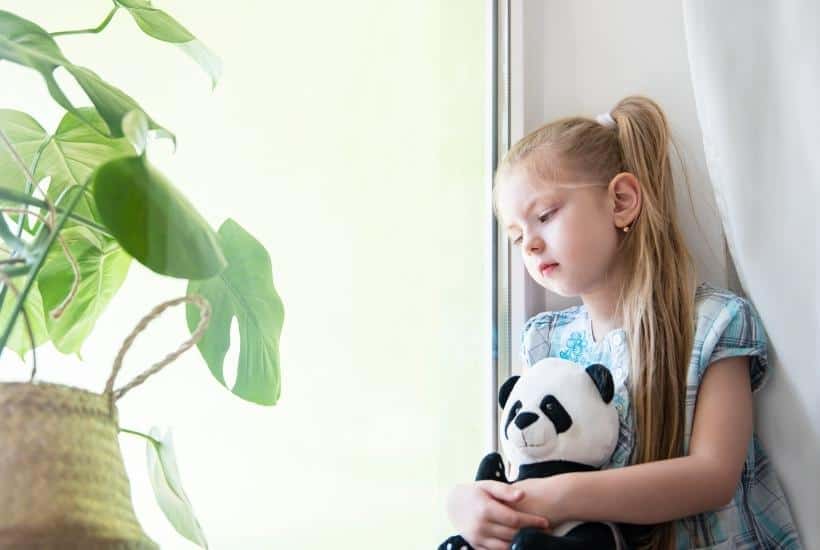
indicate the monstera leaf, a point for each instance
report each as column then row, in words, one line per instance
column 167, row 484
column 27, row 44
column 154, row 222
column 103, row 266
column 158, row 24
column 244, row 290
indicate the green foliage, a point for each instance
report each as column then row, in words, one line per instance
column 167, row 485
column 105, row 204
column 160, row 25
column 245, row 291
column 27, row 44
column 103, row 265
column 153, row 222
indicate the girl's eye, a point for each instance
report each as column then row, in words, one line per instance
column 542, row 218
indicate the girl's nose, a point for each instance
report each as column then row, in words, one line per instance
column 534, row 244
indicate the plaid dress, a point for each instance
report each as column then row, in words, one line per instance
column 727, row 325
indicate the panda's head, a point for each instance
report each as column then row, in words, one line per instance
column 558, row 410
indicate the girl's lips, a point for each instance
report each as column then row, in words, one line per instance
column 546, row 269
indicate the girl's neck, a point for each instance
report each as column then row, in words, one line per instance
column 601, row 305
column 601, row 324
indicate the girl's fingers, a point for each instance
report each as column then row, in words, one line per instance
column 501, row 514
column 498, row 531
column 502, row 491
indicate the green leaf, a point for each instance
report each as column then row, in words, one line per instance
column 103, row 266
column 206, row 59
column 158, row 24
column 69, row 156
column 135, row 126
column 244, row 290
column 112, row 103
column 167, row 484
column 154, row 222
column 27, row 44
column 25, row 135
column 76, row 149
column 19, row 339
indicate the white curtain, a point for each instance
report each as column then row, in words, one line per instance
column 756, row 76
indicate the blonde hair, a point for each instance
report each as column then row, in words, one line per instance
column 656, row 301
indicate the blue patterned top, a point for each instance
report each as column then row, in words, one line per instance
column 727, row 325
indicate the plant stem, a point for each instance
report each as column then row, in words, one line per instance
column 8, row 284
column 29, row 176
column 16, row 196
column 146, row 436
column 8, row 237
column 33, row 170
column 75, row 268
column 29, row 184
column 95, row 30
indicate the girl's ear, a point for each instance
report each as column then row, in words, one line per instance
column 626, row 196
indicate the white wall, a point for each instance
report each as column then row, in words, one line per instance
column 581, row 57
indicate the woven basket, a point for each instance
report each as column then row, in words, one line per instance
column 63, row 484
column 62, row 478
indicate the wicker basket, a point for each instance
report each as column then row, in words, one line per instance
column 63, row 484
column 62, row 478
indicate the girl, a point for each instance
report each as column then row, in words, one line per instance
column 591, row 205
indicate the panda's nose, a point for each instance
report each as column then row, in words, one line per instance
column 525, row 419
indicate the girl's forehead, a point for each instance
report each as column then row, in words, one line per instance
column 517, row 199
column 520, row 188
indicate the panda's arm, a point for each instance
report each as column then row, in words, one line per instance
column 491, row 467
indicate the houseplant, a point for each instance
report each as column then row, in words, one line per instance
column 66, row 251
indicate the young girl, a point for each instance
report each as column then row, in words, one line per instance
column 591, row 205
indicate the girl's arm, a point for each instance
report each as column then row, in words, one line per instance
column 664, row 490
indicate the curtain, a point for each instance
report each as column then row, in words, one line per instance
column 755, row 72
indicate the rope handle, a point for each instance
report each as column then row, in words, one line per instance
column 205, row 312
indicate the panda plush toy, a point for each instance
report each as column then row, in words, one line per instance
column 558, row 417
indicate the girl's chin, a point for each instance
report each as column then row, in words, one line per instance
column 560, row 289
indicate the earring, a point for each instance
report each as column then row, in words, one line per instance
column 626, row 229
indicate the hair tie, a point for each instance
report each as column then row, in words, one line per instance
column 606, row 119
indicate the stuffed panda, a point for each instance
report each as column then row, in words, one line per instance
column 558, row 417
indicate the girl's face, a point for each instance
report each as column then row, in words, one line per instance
column 572, row 228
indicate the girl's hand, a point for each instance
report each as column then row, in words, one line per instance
column 544, row 497
column 482, row 513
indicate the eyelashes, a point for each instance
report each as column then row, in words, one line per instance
column 542, row 218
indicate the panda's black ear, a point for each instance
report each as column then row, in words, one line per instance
column 505, row 390
column 603, row 381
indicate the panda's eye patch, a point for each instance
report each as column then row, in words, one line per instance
column 553, row 410
column 513, row 411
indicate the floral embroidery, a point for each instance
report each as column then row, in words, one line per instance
column 576, row 348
